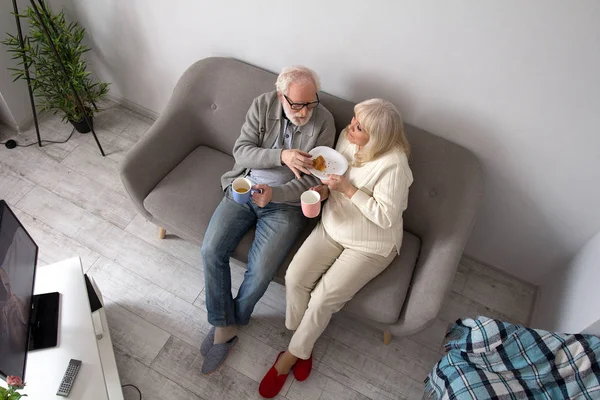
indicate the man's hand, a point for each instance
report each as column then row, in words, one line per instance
column 340, row 183
column 322, row 190
column 264, row 198
column 297, row 160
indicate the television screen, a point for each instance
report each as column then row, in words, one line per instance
column 18, row 257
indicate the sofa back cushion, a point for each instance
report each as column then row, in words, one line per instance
column 219, row 92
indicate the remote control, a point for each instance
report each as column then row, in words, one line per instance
column 69, row 378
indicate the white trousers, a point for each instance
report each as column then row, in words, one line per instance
column 321, row 278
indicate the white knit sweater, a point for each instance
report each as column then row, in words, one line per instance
column 371, row 221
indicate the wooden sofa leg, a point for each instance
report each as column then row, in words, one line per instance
column 161, row 233
column 387, row 337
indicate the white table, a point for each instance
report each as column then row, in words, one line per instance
column 98, row 377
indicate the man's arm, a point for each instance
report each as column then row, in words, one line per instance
column 246, row 149
column 291, row 191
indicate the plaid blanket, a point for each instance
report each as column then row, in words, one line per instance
column 490, row 359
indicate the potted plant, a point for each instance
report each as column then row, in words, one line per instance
column 51, row 86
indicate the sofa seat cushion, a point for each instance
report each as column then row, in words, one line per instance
column 381, row 300
column 187, row 197
column 190, row 193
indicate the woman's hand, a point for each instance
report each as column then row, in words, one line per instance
column 340, row 183
column 322, row 190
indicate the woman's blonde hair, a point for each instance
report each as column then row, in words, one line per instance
column 382, row 121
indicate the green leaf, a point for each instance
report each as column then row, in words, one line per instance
column 14, row 396
column 51, row 86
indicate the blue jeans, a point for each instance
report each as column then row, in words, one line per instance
column 277, row 228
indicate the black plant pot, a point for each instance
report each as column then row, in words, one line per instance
column 82, row 126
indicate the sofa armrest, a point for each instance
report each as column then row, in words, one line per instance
column 442, row 243
column 430, row 284
column 166, row 143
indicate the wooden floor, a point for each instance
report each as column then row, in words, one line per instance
column 71, row 201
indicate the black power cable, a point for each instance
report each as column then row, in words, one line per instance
column 11, row 144
column 135, row 387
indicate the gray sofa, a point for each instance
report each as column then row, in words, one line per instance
column 172, row 175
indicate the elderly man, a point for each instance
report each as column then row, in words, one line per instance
column 280, row 128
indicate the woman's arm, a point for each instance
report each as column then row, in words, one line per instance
column 390, row 192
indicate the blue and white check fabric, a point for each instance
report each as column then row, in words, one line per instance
column 491, row 359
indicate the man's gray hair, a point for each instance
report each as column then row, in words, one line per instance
column 296, row 74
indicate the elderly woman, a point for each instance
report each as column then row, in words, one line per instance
column 358, row 236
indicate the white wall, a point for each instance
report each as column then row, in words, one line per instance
column 516, row 82
column 5, row 114
column 569, row 300
column 593, row 329
column 17, row 112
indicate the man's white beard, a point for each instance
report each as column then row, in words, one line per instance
column 296, row 119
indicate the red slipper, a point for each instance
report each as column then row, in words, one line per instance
column 302, row 368
column 272, row 383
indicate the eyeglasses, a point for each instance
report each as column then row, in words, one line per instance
column 300, row 106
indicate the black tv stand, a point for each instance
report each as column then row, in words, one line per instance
column 43, row 329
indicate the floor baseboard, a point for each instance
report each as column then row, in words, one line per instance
column 133, row 106
column 467, row 260
column 20, row 127
column 7, row 126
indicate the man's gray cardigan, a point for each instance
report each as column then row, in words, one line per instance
column 253, row 149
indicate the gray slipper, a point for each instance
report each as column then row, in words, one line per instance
column 208, row 342
column 217, row 355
